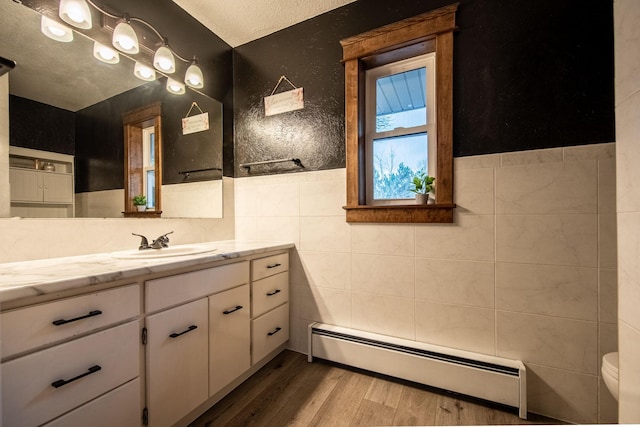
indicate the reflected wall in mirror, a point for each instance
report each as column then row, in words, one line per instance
column 46, row 113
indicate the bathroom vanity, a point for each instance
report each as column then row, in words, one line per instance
column 105, row 340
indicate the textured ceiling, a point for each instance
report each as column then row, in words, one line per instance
column 240, row 21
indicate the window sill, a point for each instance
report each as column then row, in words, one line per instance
column 145, row 214
column 437, row 214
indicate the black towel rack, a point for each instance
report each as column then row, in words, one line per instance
column 186, row 173
column 248, row 166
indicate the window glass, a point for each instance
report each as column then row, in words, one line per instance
column 396, row 160
column 151, row 188
column 149, row 159
column 401, row 100
column 399, row 141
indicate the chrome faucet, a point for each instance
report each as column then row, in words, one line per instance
column 159, row 243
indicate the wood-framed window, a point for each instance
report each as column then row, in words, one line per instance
column 427, row 34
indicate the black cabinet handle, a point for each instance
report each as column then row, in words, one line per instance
column 277, row 264
column 91, row 370
column 275, row 331
column 63, row 321
column 270, row 294
column 175, row 335
column 238, row 307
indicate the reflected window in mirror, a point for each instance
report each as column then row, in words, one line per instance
column 142, row 165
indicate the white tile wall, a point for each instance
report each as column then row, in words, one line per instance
column 524, row 271
column 627, row 100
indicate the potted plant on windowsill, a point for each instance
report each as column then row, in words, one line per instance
column 423, row 184
column 140, row 202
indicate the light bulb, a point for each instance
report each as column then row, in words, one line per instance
column 164, row 61
column 175, row 87
column 193, row 76
column 76, row 13
column 54, row 30
column 105, row 53
column 144, row 72
column 125, row 39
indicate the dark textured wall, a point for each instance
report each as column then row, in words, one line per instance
column 527, row 74
column 100, row 138
column 41, row 126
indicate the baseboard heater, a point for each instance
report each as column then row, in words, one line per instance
column 491, row 378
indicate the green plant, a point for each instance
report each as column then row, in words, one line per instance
column 140, row 200
column 422, row 183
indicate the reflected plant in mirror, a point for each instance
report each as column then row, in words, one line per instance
column 78, row 108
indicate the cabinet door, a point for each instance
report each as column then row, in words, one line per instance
column 58, row 188
column 177, row 362
column 229, row 337
column 26, row 185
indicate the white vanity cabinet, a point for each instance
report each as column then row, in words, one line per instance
column 194, row 347
column 154, row 350
column 61, row 355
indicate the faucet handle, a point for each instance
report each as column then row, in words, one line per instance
column 144, row 243
column 161, row 242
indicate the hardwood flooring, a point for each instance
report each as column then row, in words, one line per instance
column 289, row 391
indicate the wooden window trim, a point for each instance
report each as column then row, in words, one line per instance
column 411, row 37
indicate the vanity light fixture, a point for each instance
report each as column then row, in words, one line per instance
column 163, row 60
column 105, row 53
column 76, row 13
column 124, row 38
column 175, row 87
column 144, row 72
column 193, row 76
column 55, row 30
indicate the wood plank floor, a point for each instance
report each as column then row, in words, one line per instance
column 289, row 391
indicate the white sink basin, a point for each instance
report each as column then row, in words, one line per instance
column 162, row 253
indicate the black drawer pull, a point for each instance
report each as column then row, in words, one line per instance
column 277, row 264
column 91, row 370
column 275, row 331
column 63, row 321
column 270, row 294
column 191, row 328
column 238, row 307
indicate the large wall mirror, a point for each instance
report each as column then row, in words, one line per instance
column 63, row 101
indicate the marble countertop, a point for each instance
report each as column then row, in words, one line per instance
column 39, row 277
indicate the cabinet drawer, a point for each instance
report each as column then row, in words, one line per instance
column 32, row 327
column 268, row 266
column 172, row 290
column 229, row 337
column 120, row 407
column 269, row 331
column 269, row 293
column 29, row 396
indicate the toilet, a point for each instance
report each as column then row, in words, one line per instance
column 610, row 372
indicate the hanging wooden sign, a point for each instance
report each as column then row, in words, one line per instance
column 197, row 123
column 285, row 101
